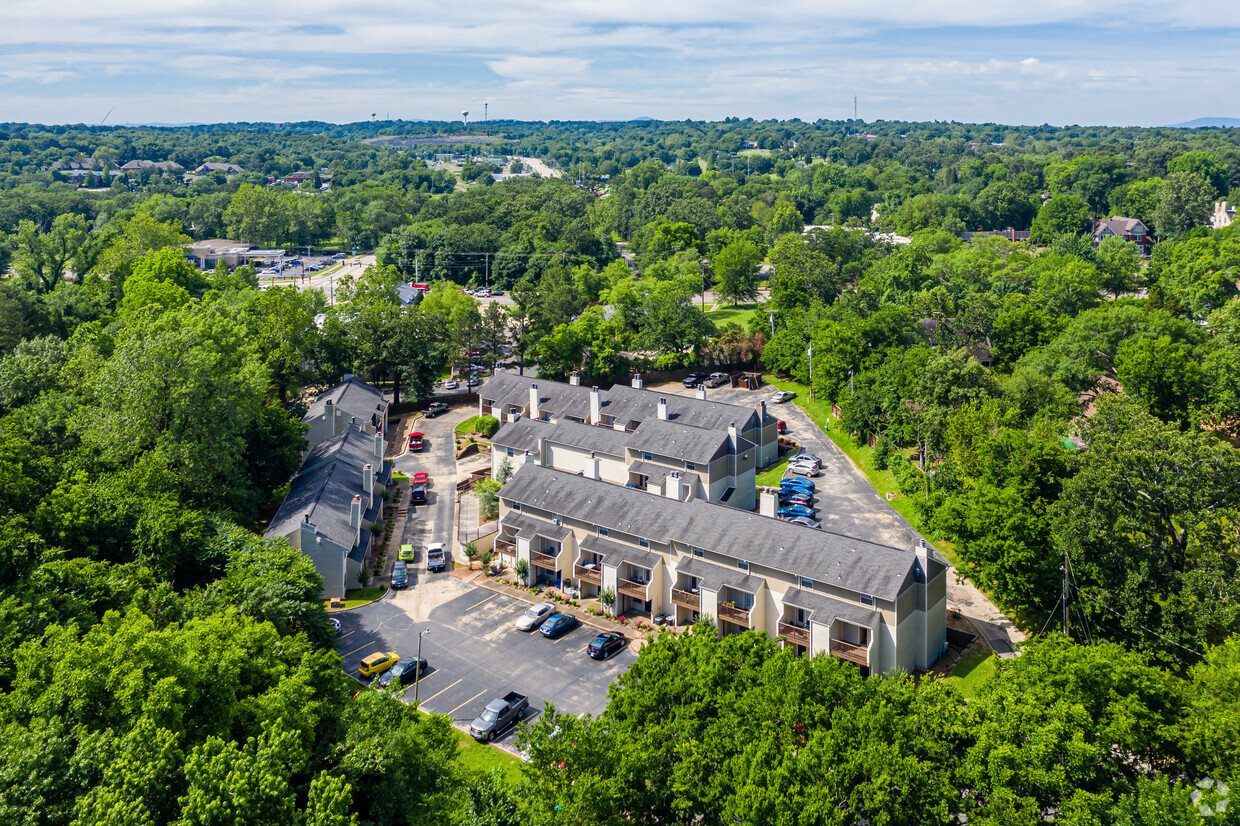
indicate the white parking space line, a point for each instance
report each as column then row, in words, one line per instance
column 467, row 702
column 437, row 693
column 355, row 650
column 476, row 604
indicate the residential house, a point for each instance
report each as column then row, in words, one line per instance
column 1130, row 229
column 167, row 166
column 78, row 171
column 717, row 465
column 1223, row 215
column 352, row 404
column 880, row 607
column 331, row 503
column 213, row 166
column 508, row 396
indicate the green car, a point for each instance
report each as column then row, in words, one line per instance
column 406, row 553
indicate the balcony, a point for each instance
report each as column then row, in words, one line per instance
column 850, row 651
column 505, row 548
column 795, row 634
column 687, row 599
column 740, row 616
column 542, row 560
column 591, row 575
column 637, row 590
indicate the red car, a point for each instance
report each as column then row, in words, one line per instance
column 782, row 427
column 421, row 478
column 415, row 441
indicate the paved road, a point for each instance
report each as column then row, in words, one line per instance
column 849, row 504
column 475, row 653
column 434, row 521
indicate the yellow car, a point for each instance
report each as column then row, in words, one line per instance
column 406, row 553
column 377, row 663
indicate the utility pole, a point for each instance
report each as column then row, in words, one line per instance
column 417, row 668
column 851, row 392
column 810, row 353
column 1064, row 593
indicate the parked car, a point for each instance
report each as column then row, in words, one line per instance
column 415, row 441
column 782, row 396
column 806, row 521
column 535, row 616
column 782, row 427
column 450, row 384
column 801, row 484
column 335, row 625
column 339, row 255
column 804, row 469
column 798, row 462
column 436, row 559
column 795, row 510
column 421, row 478
column 435, row 408
column 400, row 576
column 417, row 494
column 406, row 553
column 497, row 292
column 403, row 673
column 473, row 381
column 557, row 624
column 796, row 499
column 807, row 455
column 717, row 379
column 693, row 379
column 606, row 644
column 378, row 662
column 498, row 715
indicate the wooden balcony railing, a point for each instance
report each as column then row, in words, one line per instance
column 636, row 590
column 851, row 652
column 503, row 546
column 685, row 599
column 734, row 614
column 794, row 634
column 541, row 560
column 591, row 575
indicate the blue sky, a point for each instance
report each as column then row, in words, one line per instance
column 1040, row 61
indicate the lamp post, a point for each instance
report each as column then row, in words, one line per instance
column 417, row 668
column 810, row 355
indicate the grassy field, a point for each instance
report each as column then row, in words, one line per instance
column 727, row 314
column 361, row 596
column 861, row 455
column 466, row 426
column 771, row 476
column 482, row 758
column 974, row 668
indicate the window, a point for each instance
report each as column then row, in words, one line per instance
column 696, row 551
column 807, row 583
column 690, row 466
column 643, row 541
column 742, row 564
column 511, row 452
column 516, row 506
column 866, row 599
column 649, row 457
column 602, row 531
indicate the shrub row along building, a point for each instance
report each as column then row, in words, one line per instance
column 651, row 498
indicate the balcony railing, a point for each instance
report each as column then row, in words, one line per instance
column 850, row 651
column 734, row 614
column 541, row 560
column 687, row 599
column 504, row 547
column 591, row 575
column 632, row 589
column 794, row 633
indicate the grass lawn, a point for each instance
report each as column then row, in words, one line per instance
column 483, row 758
column 361, row 596
column 466, row 426
column 861, row 455
column 727, row 314
column 771, row 476
column 399, row 477
column 974, row 668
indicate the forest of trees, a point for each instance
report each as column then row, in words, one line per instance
column 164, row 664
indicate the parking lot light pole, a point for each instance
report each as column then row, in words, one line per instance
column 417, row 667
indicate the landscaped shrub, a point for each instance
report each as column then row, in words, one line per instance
column 487, row 425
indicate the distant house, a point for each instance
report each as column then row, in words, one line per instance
column 79, row 171
column 212, row 166
column 166, row 166
column 352, row 404
column 1009, row 234
column 331, row 503
column 299, row 178
column 1130, row 229
column 1223, row 215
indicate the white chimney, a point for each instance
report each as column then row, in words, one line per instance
column 379, row 445
column 922, row 550
column 734, row 437
column 347, row 376
column 575, row 379
column 368, row 479
column 700, row 391
column 663, row 409
column 529, row 458
column 761, row 414
column 637, row 381
column 596, row 406
column 591, row 466
column 534, row 402
column 355, row 512
column 329, row 407
column 671, row 487
column 766, row 503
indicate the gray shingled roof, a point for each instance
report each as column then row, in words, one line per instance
column 357, row 449
column 353, row 396
column 825, row 610
column 854, row 564
column 527, row 527
column 655, row 474
column 326, row 493
column 715, row 576
column 689, row 444
column 614, row 553
column 521, row 435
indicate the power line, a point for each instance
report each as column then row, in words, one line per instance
column 1139, row 625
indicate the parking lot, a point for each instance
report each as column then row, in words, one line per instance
column 475, row 653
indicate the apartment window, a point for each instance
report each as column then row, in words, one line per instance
column 511, row 452
column 649, row 457
column 643, row 541
column 807, row 583
column 696, row 551
column 742, row 564
column 690, row 466
column 866, row 599
column 516, row 506
column 603, row 531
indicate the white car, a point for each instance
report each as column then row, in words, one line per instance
column 806, row 456
column 450, row 384
column 534, row 617
column 783, row 396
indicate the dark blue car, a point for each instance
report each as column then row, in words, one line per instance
column 804, row 485
column 796, row 510
column 557, row 624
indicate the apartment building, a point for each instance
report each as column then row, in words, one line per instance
column 352, row 404
column 507, row 396
column 720, row 466
column 879, row 607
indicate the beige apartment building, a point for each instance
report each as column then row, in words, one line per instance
column 882, row 608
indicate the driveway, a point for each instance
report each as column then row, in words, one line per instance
column 475, row 653
column 848, row 504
